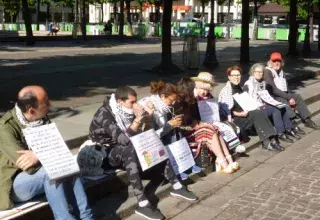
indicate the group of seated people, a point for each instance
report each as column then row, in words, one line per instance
column 173, row 112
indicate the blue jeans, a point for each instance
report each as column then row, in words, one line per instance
column 280, row 117
column 26, row 186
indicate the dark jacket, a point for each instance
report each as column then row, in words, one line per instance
column 272, row 88
column 104, row 129
column 11, row 141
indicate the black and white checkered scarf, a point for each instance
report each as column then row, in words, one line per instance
column 24, row 121
column 124, row 117
column 254, row 87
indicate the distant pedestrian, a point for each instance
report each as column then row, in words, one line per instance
column 54, row 29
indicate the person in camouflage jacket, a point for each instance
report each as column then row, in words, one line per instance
column 106, row 129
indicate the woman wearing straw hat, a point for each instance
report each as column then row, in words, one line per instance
column 204, row 132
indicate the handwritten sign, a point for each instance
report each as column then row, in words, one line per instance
column 180, row 156
column 209, row 110
column 228, row 134
column 51, row 150
column 149, row 148
column 246, row 102
column 266, row 97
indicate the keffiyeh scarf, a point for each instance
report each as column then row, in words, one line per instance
column 124, row 117
column 225, row 99
column 24, row 121
column 279, row 79
column 160, row 108
column 254, row 87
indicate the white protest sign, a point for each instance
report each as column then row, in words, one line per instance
column 246, row 102
column 209, row 110
column 228, row 134
column 266, row 97
column 51, row 150
column 180, row 156
column 149, row 148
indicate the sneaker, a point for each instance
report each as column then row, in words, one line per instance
column 149, row 212
column 184, row 176
column 196, row 169
column 183, row 192
column 240, row 149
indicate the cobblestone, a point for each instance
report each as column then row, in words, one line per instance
column 292, row 193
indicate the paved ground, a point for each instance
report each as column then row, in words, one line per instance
column 269, row 186
column 77, row 74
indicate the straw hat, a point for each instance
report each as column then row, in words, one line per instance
column 204, row 77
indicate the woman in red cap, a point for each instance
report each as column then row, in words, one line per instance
column 277, row 86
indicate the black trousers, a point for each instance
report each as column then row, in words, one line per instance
column 126, row 157
column 300, row 107
column 259, row 121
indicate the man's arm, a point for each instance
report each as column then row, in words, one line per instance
column 267, row 75
column 111, row 128
column 13, row 149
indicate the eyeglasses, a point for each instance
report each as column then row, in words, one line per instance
column 258, row 71
column 236, row 75
column 171, row 100
column 276, row 61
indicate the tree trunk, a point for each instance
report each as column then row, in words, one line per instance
column 47, row 15
column 166, row 58
column 228, row 20
column 121, row 17
column 38, row 15
column 115, row 10
column 102, row 14
column 27, row 22
column 244, row 50
column 76, row 20
column 210, row 59
column 319, row 28
column 62, row 13
column 306, row 43
column 83, row 21
column 311, row 22
column 255, row 20
column 129, row 17
column 202, row 27
column 157, row 16
column 293, row 29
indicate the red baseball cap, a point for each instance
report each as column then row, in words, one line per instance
column 276, row 56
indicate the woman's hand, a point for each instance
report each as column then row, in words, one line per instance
column 176, row 121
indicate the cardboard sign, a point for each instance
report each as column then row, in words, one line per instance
column 209, row 110
column 149, row 148
column 180, row 156
column 51, row 150
column 246, row 102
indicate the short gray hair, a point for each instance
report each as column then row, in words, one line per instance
column 254, row 66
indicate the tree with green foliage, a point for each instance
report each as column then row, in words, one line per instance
column 121, row 18
column 210, row 59
column 141, row 4
column 257, row 4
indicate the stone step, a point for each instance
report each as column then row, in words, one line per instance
column 111, row 196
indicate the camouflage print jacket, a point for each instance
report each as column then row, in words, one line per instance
column 104, row 129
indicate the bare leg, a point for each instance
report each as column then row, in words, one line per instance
column 225, row 150
column 215, row 146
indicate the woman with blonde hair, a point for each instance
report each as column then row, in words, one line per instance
column 203, row 132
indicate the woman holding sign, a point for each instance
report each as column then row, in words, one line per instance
column 200, row 132
column 246, row 119
column 164, row 120
column 256, row 87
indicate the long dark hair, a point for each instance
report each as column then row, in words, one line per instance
column 185, row 87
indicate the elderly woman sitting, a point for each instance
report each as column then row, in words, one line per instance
column 246, row 119
column 255, row 86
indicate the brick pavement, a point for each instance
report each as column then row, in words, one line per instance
column 292, row 193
